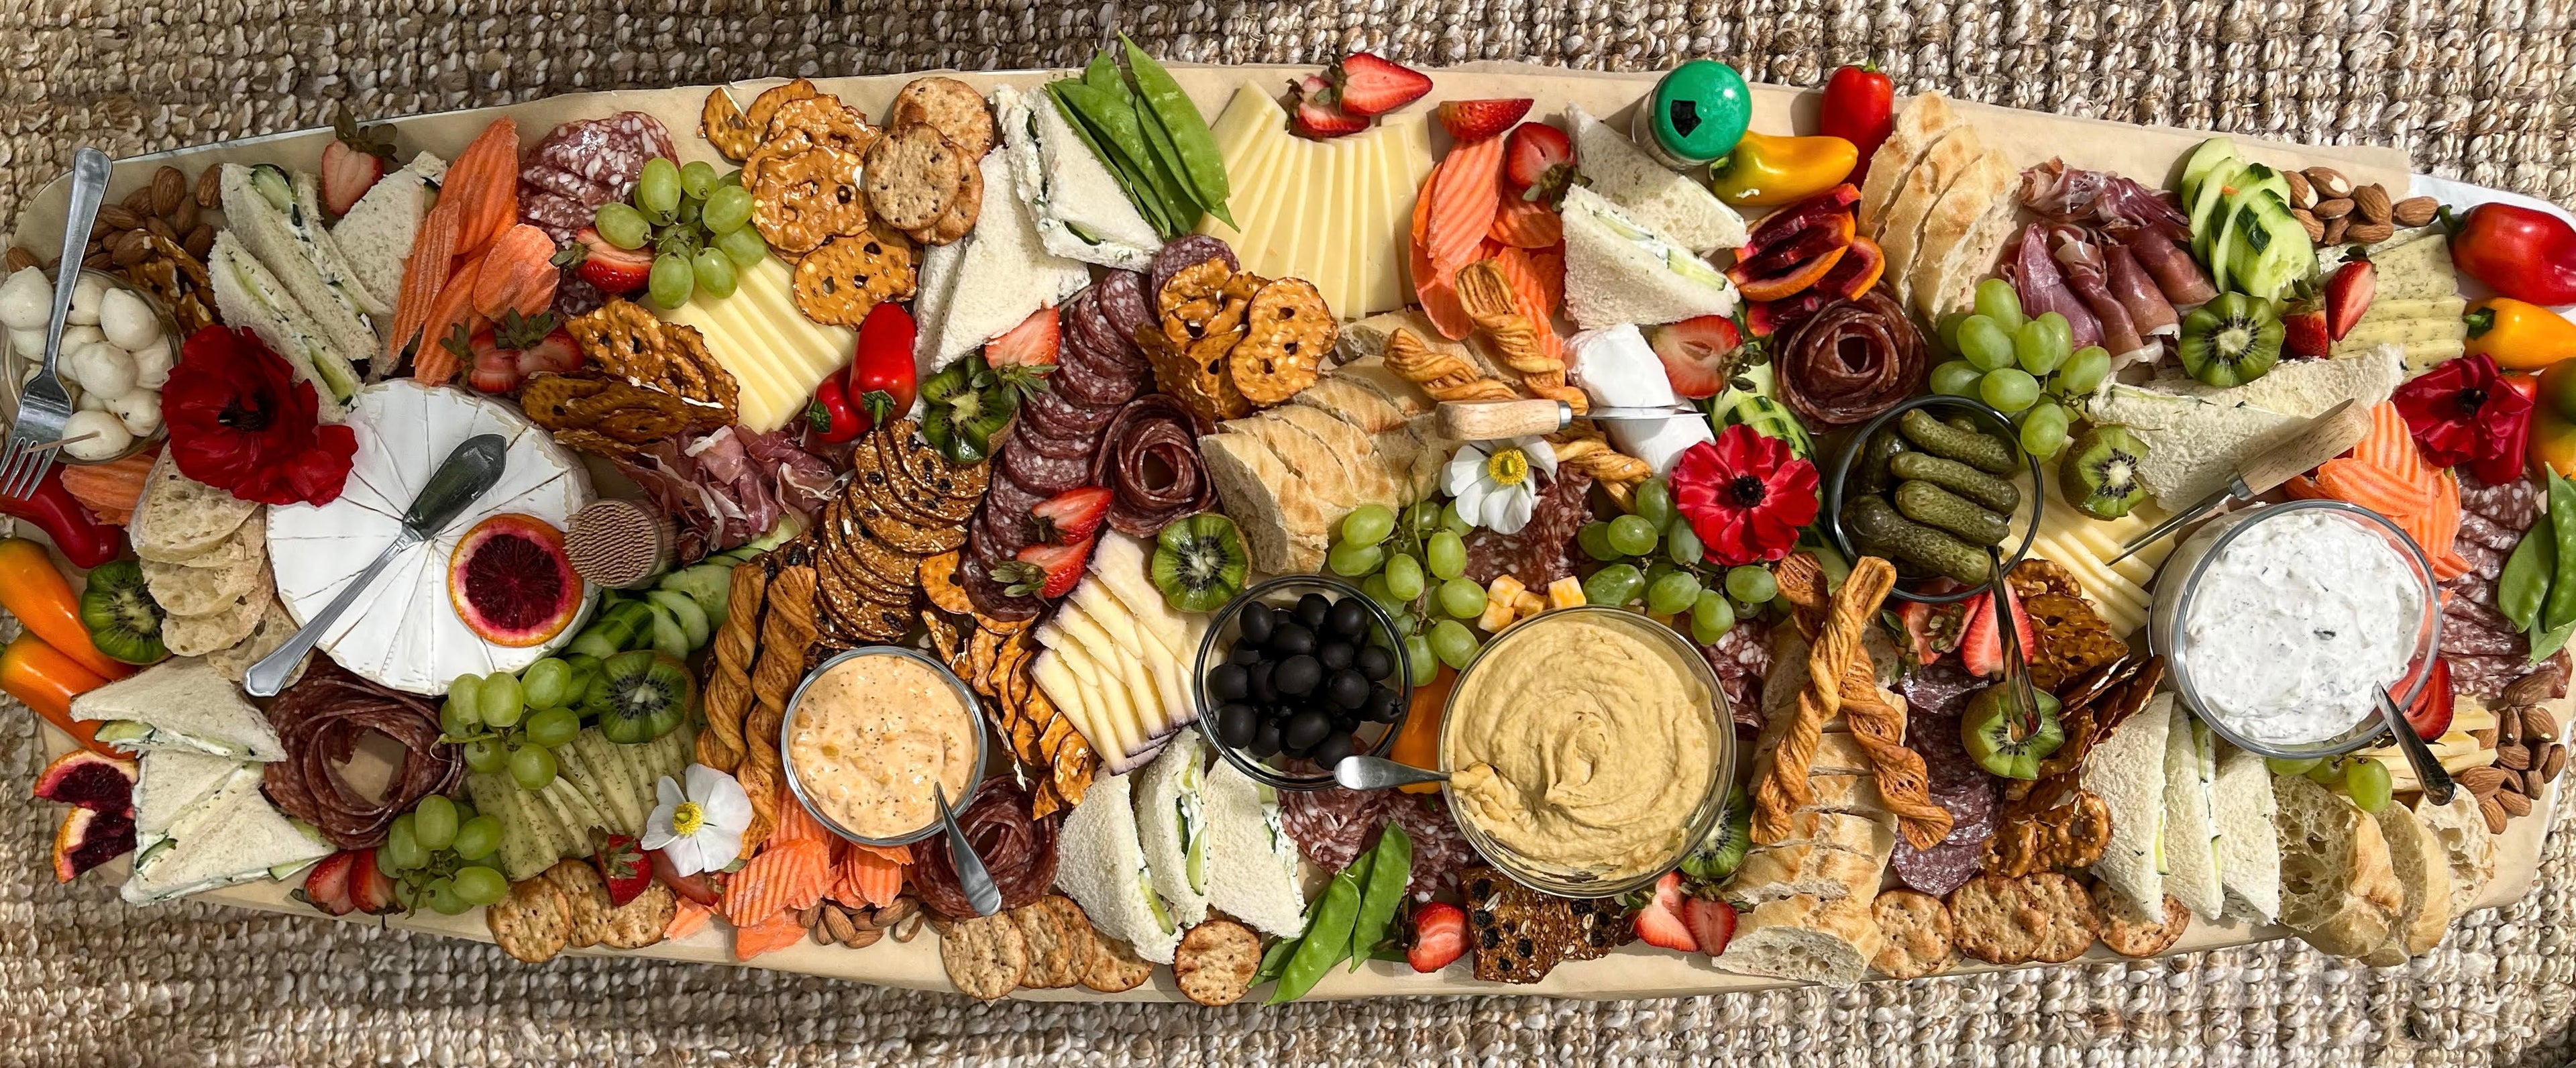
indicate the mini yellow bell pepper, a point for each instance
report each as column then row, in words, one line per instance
column 1767, row 171
column 2519, row 335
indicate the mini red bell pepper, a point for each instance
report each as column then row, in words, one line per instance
column 829, row 417
column 1859, row 103
column 76, row 533
column 882, row 380
column 2519, row 252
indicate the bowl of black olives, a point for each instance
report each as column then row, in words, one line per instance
column 1297, row 673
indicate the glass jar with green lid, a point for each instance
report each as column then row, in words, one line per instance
column 1696, row 114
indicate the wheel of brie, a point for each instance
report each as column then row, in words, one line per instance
column 405, row 631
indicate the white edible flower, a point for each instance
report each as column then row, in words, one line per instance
column 139, row 410
column 26, row 300
column 700, row 828
column 101, row 368
column 152, row 365
column 87, row 292
column 127, row 321
column 107, row 435
column 1495, row 483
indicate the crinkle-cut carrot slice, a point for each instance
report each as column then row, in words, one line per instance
column 518, row 273
column 687, row 920
column 1526, row 224
column 434, row 363
column 776, row 933
column 484, row 182
column 867, row 878
column 776, row 880
column 1431, row 283
column 2373, row 487
column 1464, row 197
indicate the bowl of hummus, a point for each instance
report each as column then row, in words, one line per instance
column 1587, row 749
column 870, row 733
column 2280, row 622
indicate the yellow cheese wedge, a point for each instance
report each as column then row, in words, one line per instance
column 1335, row 213
column 1274, row 166
column 1244, row 133
column 775, row 354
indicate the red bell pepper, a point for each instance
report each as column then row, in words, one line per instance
column 882, row 380
column 2519, row 252
column 829, row 417
column 1859, row 103
column 76, row 533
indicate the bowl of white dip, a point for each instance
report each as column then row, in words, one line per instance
column 2278, row 623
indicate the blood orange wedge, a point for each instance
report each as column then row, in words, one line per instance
column 511, row 581
column 91, row 781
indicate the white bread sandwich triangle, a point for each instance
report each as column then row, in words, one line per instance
column 1252, row 863
column 2249, row 853
column 180, row 703
column 1002, row 273
column 2196, row 434
column 249, row 296
column 1080, row 211
column 2423, row 869
column 268, row 210
column 233, row 836
column 1920, row 124
column 2339, row 890
column 170, row 782
column 1669, row 200
column 1172, row 827
column 1102, row 868
column 1620, row 270
column 375, row 236
column 2191, row 833
column 2127, row 771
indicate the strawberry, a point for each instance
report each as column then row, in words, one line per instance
column 2431, row 713
column 1711, row 923
column 492, row 370
column 1033, row 343
column 371, row 887
column 1981, row 645
column 1323, row 121
column 1538, row 156
column 1044, row 570
column 1072, row 515
column 2348, row 295
column 621, row 865
column 326, row 887
column 703, row 888
column 1660, row 922
column 352, row 162
column 2304, row 334
column 556, row 352
column 1439, row 937
column 1367, row 85
column 614, row 270
column 1476, row 120
column 501, row 356
column 1698, row 354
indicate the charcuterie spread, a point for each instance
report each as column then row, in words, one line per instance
column 1132, row 531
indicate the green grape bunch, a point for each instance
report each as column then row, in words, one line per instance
column 698, row 224
column 1653, row 556
column 513, row 723
column 2024, row 366
column 1414, row 564
column 444, row 856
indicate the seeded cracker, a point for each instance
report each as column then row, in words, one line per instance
column 1918, row 930
column 985, row 956
column 912, row 175
column 963, row 210
column 534, row 923
column 952, row 107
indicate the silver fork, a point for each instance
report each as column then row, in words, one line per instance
column 43, row 405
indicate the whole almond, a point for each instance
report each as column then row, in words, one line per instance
column 2486, row 739
column 2308, row 222
column 2369, row 233
column 2415, row 211
column 20, row 259
column 160, row 228
column 2530, row 689
column 139, row 201
column 893, row 913
column 130, row 248
column 842, row 928
column 2533, row 782
column 199, row 241
column 118, row 217
column 2536, row 723
column 184, row 217
column 2302, row 195
column 2512, row 756
column 2508, row 726
column 863, row 937
column 96, row 261
column 2553, row 763
column 2330, row 183
column 2493, row 810
column 210, row 186
column 2336, row 229
column 909, row 928
column 2513, row 804
column 169, row 187
column 2333, row 209
column 2372, row 202
column 2481, row 781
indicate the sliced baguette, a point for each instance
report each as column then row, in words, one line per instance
column 1282, row 523
column 2466, row 845
column 2424, row 869
column 1775, row 872
column 2339, row 890
column 1923, row 122
column 1806, row 938
column 1901, row 232
column 1963, row 205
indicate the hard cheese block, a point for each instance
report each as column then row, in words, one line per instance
column 776, row 355
column 1334, row 213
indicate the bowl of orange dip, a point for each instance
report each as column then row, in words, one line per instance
column 870, row 733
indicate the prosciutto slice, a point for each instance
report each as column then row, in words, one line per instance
column 2064, row 194
column 2043, row 287
column 2088, row 275
column 2148, row 309
column 2177, row 275
column 727, row 487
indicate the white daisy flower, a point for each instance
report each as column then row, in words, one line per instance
column 1495, row 483
column 700, row 829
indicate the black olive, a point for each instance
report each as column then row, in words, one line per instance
column 1258, row 679
column 1297, row 676
column 1334, row 747
column 1313, row 609
column 1347, row 689
column 1335, row 654
column 1374, row 662
column 1348, row 619
column 1265, row 740
column 1256, row 621
column 1303, row 730
column 1237, row 724
column 1290, row 639
column 1246, row 654
column 1229, row 682
column 1384, row 706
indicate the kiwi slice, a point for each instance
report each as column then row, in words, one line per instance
column 1199, row 563
column 123, row 620
column 1723, row 850
column 2099, row 475
column 639, row 696
column 2003, row 738
column 966, row 407
column 2231, row 340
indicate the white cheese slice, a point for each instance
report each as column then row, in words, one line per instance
column 1619, row 369
column 1276, row 180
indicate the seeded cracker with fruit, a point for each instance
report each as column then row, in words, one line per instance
column 1407, row 532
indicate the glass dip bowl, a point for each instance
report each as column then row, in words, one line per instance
column 805, row 791
column 1279, row 771
column 1912, row 581
column 2184, row 583
column 1702, row 817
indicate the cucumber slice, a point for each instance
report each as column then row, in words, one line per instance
column 2272, row 250
column 708, row 584
column 2254, row 180
column 668, row 636
column 2206, row 201
column 2202, row 160
column 684, row 608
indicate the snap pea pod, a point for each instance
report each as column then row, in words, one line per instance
column 2523, row 588
column 1202, row 166
column 1102, row 74
column 1169, row 179
column 1274, row 960
column 2562, row 528
column 1137, row 192
column 2547, row 643
column 1389, row 872
column 1327, row 939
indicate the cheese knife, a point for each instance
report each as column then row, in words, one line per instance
column 1497, row 419
column 2323, row 438
column 981, row 892
column 2429, row 771
column 467, row 473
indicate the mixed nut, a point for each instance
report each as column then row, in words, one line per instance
column 2334, row 211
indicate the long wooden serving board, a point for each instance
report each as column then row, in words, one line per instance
column 2146, row 153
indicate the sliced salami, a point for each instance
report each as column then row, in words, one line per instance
column 1940, row 869
column 2512, row 506
column 1060, row 417
column 1152, row 463
column 1041, row 473
column 1741, row 657
column 1440, row 850
column 1332, row 826
column 1010, row 498
column 999, row 536
column 1122, row 298
column 1075, row 446
column 1183, row 254
column 559, row 216
column 1541, row 551
column 1084, row 383
column 1090, row 327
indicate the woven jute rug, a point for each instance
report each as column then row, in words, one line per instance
column 2475, row 91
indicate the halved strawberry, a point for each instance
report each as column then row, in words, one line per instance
column 1033, row 343
column 614, row 270
column 2348, row 296
column 1072, row 515
column 1933, row 629
column 326, row 887
column 1044, row 570
column 353, row 162
column 1439, row 936
column 501, row 356
column 1476, row 120
column 1698, row 354
column 1367, row 85
column 1981, row 645
column 703, row 888
column 1660, row 923
column 2430, row 715
column 1711, row 923
column 1537, row 155
column 1321, row 121
column 2304, row 334
column 621, row 865
column 371, row 887
column 556, row 352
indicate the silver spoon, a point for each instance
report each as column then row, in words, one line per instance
column 1376, row 773
column 971, row 876
column 2428, row 769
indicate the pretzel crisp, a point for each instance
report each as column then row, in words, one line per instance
column 1834, row 629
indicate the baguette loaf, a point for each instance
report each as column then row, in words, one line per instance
column 1825, row 871
column 2466, row 845
column 2424, row 870
column 2339, row 890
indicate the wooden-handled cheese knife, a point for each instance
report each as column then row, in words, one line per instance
column 1498, row 419
column 2324, row 438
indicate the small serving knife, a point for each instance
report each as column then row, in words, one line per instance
column 2325, row 437
column 1497, row 419
column 981, row 893
column 2429, row 771
column 471, row 469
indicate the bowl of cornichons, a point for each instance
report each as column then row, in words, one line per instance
column 1933, row 486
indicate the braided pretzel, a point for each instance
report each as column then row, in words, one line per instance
column 1446, row 376
column 1524, row 345
column 1877, row 720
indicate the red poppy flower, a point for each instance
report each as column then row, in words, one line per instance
column 240, row 421
column 1745, row 496
column 2463, row 412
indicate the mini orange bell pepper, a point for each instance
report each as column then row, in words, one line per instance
column 2520, row 336
column 35, row 592
column 46, row 680
column 1766, row 171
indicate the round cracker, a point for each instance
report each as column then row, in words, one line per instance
column 953, row 107
column 1918, row 928
column 186, row 590
column 1058, row 949
column 2131, row 932
column 2064, row 912
column 1987, row 923
column 911, row 175
column 588, row 895
column 963, row 210
column 642, row 919
column 1216, row 962
column 209, row 632
column 534, row 923
column 984, row 956
column 1114, row 965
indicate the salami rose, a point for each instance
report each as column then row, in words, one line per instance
column 1152, row 465
column 1852, row 361
column 1017, row 851
column 320, row 721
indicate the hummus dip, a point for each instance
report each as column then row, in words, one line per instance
column 871, row 734
column 1584, row 746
